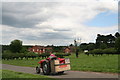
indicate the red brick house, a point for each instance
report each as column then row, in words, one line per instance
column 39, row 49
column 67, row 50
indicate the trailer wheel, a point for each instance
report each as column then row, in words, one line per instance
column 61, row 72
column 38, row 70
column 46, row 68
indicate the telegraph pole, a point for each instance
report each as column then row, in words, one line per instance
column 77, row 43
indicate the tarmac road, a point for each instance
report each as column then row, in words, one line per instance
column 67, row 75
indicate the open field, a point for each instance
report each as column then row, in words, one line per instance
column 21, row 76
column 105, row 63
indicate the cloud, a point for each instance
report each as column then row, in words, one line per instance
column 25, row 14
column 32, row 36
column 29, row 14
column 53, row 23
column 36, row 36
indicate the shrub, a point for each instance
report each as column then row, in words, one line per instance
column 44, row 55
column 7, row 54
column 117, row 44
column 110, row 51
column 16, row 55
column 62, row 54
column 31, row 55
column 96, row 52
column 21, row 55
column 102, row 51
column 103, row 46
column 57, row 54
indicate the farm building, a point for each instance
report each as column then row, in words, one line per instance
column 69, row 49
column 39, row 49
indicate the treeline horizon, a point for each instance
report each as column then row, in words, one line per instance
column 105, row 44
column 102, row 42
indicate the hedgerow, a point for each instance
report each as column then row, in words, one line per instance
column 102, row 51
column 9, row 55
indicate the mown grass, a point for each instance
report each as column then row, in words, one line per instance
column 21, row 76
column 0, row 74
column 104, row 63
column 24, row 62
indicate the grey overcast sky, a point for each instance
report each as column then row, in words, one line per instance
column 57, row 23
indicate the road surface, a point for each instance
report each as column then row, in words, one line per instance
column 67, row 74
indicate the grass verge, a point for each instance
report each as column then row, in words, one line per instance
column 7, row 74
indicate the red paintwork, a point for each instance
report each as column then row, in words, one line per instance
column 62, row 66
column 41, row 61
column 60, row 59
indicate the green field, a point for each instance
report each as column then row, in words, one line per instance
column 0, row 73
column 104, row 63
column 21, row 76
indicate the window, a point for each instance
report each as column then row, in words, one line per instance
column 33, row 50
column 37, row 49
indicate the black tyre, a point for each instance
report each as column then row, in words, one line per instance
column 61, row 72
column 38, row 70
column 46, row 68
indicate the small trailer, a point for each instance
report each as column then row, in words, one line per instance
column 57, row 65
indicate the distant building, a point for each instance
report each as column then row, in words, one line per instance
column 67, row 50
column 39, row 49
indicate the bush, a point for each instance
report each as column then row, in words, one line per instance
column 62, row 54
column 16, row 56
column 117, row 44
column 102, row 51
column 110, row 51
column 57, row 54
column 103, row 46
column 21, row 55
column 44, row 55
column 96, row 52
column 30, row 55
column 7, row 54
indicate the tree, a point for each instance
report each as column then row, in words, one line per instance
column 103, row 46
column 5, row 47
column 71, row 45
column 16, row 46
column 83, row 46
column 58, row 48
column 91, row 46
column 23, row 50
column 117, row 34
column 109, row 40
column 117, row 44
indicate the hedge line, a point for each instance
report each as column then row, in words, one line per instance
column 9, row 55
column 102, row 51
column 57, row 54
column 18, row 55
